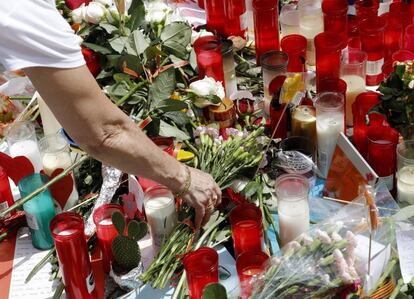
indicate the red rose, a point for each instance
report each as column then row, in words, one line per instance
column 74, row 4
column 92, row 61
column 244, row 106
column 236, row 198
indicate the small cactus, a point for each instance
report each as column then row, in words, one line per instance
column 125, row 248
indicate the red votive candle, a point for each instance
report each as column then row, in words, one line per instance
column 215, row 15
column 209, row 58
column 266, row 26
column 105, row 231
column 372, row 42
column 354, row 41
column 335, row 18
column 402, row 55
column 246, row 228
column 200, row 3
column 402, row 10
column 409, row 38
column 393, row 35
column 236, row 18
column 249, row 265
column 294, row 45
column 363, row 103
column 67, row 231
column 328, row 56
column 387, row 68
column 382, row 155
column 6, row 199
column 201, row 267
column 366, row 8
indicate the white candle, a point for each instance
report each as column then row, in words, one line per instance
column 354, row 86
column 30, row 150
column 68, row 232
column 328, row 127
column 53, row 161
column 405, row 184
column 106, row 221
column 293, row 220
column 161, row 217
column 310, row 26
column 49, row 121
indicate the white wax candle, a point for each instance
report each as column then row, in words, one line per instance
column 28, row 149
column 405, row 184
column 309, row 27
column 328, row 127
column 49, row 121
column 354, row 86
column 293, row 220
column 67, row 232
column 161, row 217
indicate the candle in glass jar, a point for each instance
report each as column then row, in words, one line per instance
column 304, row 123
column 229, row 69
column 335, row 18
column 355, row 86
column 405, row 184
column 215, row 15
column 289, row 20
column 209, row 58
column 161, row 215
column 235, row 18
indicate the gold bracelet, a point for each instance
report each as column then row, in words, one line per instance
column 187, row 184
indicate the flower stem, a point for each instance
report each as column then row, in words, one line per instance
column 131, row 92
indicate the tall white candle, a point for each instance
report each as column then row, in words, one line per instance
column 30, row 150
column 53, row 161
column 49, row 121
column 354, row 86
column 293, row 220
column 405, row 184
column 310, row 26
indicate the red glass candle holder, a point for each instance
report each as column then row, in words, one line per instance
column 105, row 231
column 335, row 18
column 201, row 4
column 277, row 117
column 372, row 42
column 366, row 8
column 215, row 15
column 201, row 267
column 266, row 26
column 236, row 18
column 409, row 38
column 246, row 228
column 328, row 56
column 402, row 56
column 387, row 68
column 354, row 40
column 363, row 103
column 393, row 34
column 249, row 265
column 382, row 155
column 6, row 199
column 402, row 10
column 209, row 58
column 67, row 231
column 294, row 45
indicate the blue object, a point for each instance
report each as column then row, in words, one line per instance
column 39, row 210
column 68, row 139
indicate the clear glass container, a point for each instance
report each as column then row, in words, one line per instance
column 289, row 20
column 229, row 67
column 405, row 154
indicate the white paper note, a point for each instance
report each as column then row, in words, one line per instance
column 405, row 241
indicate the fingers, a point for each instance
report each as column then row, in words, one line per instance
column 217, row 191
column 207, row 215
column 199, row 218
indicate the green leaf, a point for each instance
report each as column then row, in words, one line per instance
column 118, row 43
column 167, row 130
column 171, row 105
column 137, row 230
column 214, row 291
column 178, row 117
column 137, row 13
column 150, row 53
column 104, row 74
column 112, row 60
column 140, row 43
column 118, row 89
column 108, row 27
column 132, row 62
column 175, row 38
column 97, row 48
column 119, row 77
column 251, row 188
column 162, row 87
column 118, row 221
column 193, row 59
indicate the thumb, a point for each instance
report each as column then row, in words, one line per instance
column 200, row 212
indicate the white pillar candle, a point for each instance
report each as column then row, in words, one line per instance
column 310, row 25
column 49, row 121
column 354, row 86
column 30, row 150
column 405, row 184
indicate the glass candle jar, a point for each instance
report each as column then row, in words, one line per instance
column 372, row 42
column 329, row 124
column 201, row 4
column 294, row 46
column 363, row 103
column 403, row 10
column 382, row 142
column 229, row 67
column 409, row 38
column 250, row 265
column 310, row 25
column 335, row 19
column 215, row 16
column 274, row 65
column 393, row 34
column 304, row 123
column 68, row 233
column 6, row 196
column 279, row 119
column 209, row 58
column 266, row 26
column 250, row 20
column 39, row 210
column 201, row 268
column 246, row 228
column 405, row 154
column 159, row 205
column 366, row 8
column 402, row 56
column 21, row 139
column 292, row 206
column 235, row 18
column 105, row 231
column 289, row 20
column 354, row 41
column 353, row 72
column 405, row 184
column 328, row 56
column 333, row 85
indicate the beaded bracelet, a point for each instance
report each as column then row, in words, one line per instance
column 187, row 184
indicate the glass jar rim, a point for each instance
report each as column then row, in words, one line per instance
column 402, row 146
column 386, row 134
column 226, row 46
column 300, row 178
column 194, row 254
column 295, row 42
column 99, row 212
column 16, row 126
column 74, row 217
column 337, row 95
column 34, row 181
column 265, row 60
column 243, row 206
column 54, row 139
column 362, row 55
column 334, row 7
column 329, row 41
column 264, row 5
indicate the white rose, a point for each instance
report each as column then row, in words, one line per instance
column 156, row 12
column 78, row 14
column 206, row 87
column 196, row 35
column 106, row 3
column 112, row 14
column 94, row 12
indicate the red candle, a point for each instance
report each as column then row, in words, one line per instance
column 105, row 231
column 393, row 35
column 201, row 4
column 246, row 228
column 215, row 15
column 402, row 55
column 363, row 103
column 249, row 265
column 6, row 199
column 201, row 267
column 354, row 41
column 294, row 46
column 277, row 117
column 209, row 58
column 382, row 156
column 266, row 26
column 236, row 18
column 328, row 56
column 387, row 68
column 335, row 18
column 372, row 42
column 403, row 11
column 67, row 230
column 409, row 38
column 366, row 8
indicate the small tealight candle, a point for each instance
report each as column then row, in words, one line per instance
column 405, row 184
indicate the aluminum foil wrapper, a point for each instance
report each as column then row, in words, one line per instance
column 111, row 181
column 130, row 280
